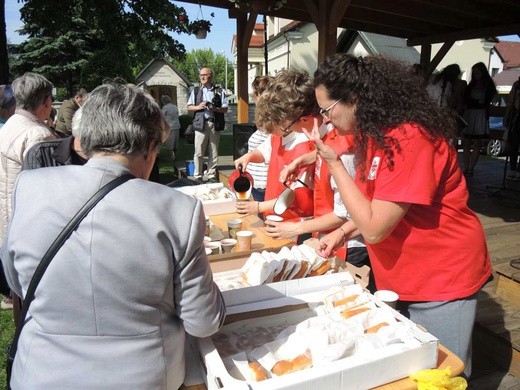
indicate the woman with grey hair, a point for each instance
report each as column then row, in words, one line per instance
column 116, row 301
column 171, row 113
column 33, row 93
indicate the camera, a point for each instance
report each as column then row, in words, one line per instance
column 216, row 102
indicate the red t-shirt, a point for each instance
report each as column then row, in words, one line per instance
column 438, row 251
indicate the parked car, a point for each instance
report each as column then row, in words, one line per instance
column 496, row 146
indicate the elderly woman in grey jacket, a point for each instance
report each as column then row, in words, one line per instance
column 113, row 308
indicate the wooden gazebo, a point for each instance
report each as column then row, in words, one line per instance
column 421, row 22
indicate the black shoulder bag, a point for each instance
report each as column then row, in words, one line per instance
column 49, row 255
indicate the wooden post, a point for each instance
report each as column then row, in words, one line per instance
column 326, row 16
column 245, row 26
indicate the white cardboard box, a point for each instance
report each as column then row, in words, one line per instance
column 268, row 299
column 212, row 207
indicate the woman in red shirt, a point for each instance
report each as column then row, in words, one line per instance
column 409, row 198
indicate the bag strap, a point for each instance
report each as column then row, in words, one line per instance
column 53, row 249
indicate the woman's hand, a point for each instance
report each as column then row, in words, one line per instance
column 247, row 207
column 289, row 172
column 328, row 244
column 325, row 151
column 244, row 160
column 282, row 230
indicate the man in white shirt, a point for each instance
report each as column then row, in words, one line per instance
column 209, row 104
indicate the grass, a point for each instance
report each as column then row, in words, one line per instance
column 184, row 152
column 6, row 336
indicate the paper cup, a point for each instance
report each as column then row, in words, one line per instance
column 388, row 297
column 228, row 244
column 207, row 239
column 244, row 239
column 214, row 246
column 274, row 218
column 234, row 225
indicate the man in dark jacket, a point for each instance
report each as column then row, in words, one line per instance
column 67, row 110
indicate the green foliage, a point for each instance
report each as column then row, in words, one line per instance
column 61, row 94
column 196, row 59
column 68, row 38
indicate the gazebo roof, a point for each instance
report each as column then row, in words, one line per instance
column 419, row 21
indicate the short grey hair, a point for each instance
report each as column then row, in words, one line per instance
column 31, row 90
column 76, row 121
column 120, row 119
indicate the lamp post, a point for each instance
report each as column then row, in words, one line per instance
column 225, row 70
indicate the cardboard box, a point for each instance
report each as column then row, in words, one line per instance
column 215, row 206
column 341, row 374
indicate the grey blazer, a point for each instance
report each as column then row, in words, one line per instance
column 112, row 309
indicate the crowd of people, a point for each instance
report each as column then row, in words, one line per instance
column 364, row 145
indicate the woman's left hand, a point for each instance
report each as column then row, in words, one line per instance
column 325, row 151
column 330, row 243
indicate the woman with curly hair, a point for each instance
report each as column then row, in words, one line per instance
column 409, row 197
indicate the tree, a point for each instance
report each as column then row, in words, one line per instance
column 65, row 36
column 4, row 62
column 196, row 59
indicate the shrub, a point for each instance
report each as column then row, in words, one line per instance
column 185, row 120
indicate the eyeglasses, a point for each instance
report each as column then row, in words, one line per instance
column 287, row 129
column 325, row 112
column 205, row 75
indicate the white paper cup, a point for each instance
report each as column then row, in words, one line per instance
column 214, row 246
column 274, row 218
column 234, row 225
column 244, row 239
column 207, row 239
column 388, row 297
column 227, row 244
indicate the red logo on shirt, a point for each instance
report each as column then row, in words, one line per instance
column 373, row 168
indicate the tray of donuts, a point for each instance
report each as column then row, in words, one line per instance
column 335, row 336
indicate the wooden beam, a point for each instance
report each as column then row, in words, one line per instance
column 426, row 53
column 245, row 26
column 445, row 48
column 330, row 13
column 467, row 34
column 313, row 11
column 339, row 8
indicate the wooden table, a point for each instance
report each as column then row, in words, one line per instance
column 446, row 359
column 261, row 241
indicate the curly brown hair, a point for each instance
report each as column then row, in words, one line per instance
column 289, row 95
column 260, row 84
column 388, row 94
